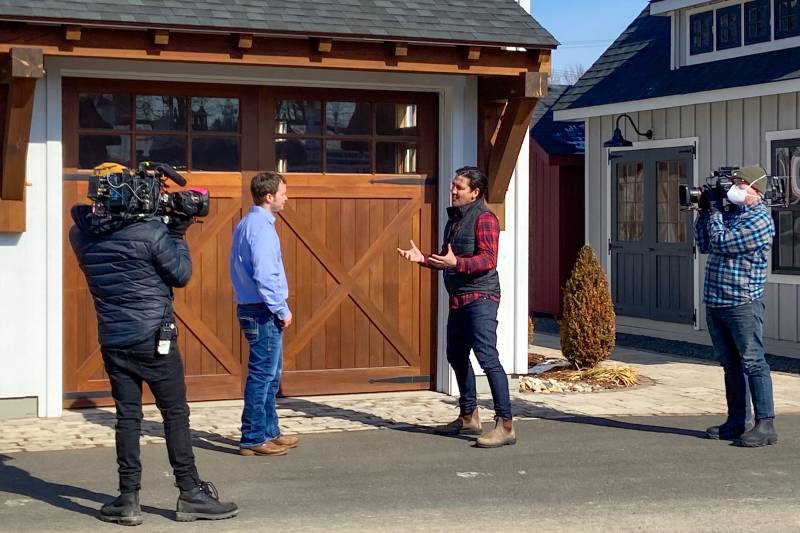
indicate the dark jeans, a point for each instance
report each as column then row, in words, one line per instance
column 737, row 334
column 474, row 327
column 263, row 331
column 127, row 368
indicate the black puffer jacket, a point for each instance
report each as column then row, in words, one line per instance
column 131, row 269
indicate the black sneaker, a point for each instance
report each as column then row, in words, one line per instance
column 202, row 503
column 125, row 510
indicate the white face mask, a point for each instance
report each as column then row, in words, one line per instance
column 737, row 195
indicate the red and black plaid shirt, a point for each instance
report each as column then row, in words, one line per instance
column 487, row 237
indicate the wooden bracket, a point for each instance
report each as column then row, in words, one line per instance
column 324, row 46
column 473, row 53
column 72, row 33
column 400, row 49
column 514, row 124
column 161, row 37
column 244, row 41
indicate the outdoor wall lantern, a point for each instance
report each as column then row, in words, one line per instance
column 618, row 140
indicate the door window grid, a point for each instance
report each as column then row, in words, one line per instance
column 630, row 201
column 672, row 222
column 187, row 132
column 359, row 137
column 786, row 247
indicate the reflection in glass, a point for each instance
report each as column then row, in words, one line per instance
column 347, row 157
column 105, row 111
column 215, row 114
column 161, row 113
column 169, row 149
column 215, row 153
column 96, row 149
column 298, row 116
column 298, row 155
column 630, row 201
column 672, row 222
column 395, row 158
column 348, row 118
column 396, row 119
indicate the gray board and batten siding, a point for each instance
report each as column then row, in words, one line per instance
column 729, row 133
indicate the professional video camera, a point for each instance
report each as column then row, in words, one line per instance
column 117, row 191
column 716, row 187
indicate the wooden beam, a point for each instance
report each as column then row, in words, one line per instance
column 265, row 51
column 514, row 124
column 72, row 33
column 473, row 53
column 543, row 62
column 245, row 40
column 161, row 37
column 400, row 49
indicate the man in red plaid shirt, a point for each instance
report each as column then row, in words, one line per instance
column 468, row 261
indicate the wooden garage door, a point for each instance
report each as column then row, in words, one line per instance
column 363, row 317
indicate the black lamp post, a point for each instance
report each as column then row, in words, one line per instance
column 618, row 140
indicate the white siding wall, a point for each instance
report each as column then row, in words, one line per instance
column 732, row 132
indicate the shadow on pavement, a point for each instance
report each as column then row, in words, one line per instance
column 15, row 480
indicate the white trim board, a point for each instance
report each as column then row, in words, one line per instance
column 678, row 100
column 786, row 279
column 665, row 6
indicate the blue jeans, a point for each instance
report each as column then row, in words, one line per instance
column 474, row 327
column 263, row 331
column 737, row 334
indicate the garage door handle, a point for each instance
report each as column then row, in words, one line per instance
column 403, row 181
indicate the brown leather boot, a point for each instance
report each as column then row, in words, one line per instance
column 290, row 441
column 268, row 448
column 503, row 434
column 469, row 424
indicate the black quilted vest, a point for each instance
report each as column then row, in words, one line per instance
column 460, row 234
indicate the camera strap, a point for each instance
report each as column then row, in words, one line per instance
column 166, row 334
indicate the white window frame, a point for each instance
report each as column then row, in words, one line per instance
column 744, row 50
column 769, row 137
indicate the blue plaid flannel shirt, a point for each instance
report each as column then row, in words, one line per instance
column 738, row 242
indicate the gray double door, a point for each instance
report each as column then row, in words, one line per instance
column 652, row 240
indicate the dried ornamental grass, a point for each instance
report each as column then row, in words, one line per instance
column 588, row 325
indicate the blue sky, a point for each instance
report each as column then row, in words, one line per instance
column 585, row 28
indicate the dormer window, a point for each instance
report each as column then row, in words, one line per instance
column 787, row 18
column 729, row 27
column 702, row 37
column 756, row 22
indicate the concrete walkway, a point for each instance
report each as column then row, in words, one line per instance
column 671, row 386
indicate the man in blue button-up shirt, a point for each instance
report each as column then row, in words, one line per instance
column 259, row 282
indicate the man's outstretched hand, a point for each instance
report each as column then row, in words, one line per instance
column 412, row 254
column 448, row 260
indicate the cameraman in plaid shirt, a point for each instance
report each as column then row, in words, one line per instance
column 738, row 240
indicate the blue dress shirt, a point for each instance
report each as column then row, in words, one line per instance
column 256, row 264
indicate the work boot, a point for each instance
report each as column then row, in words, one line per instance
column 202, row 503
column 502, row 434
column 287, row 441
column 761, row 435
column 727, row 431
column 268, row 448
column 125, row 510
column 469, row 424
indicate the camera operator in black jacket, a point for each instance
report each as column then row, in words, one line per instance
column 131, row 268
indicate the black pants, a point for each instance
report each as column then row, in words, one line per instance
column 127, row 368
